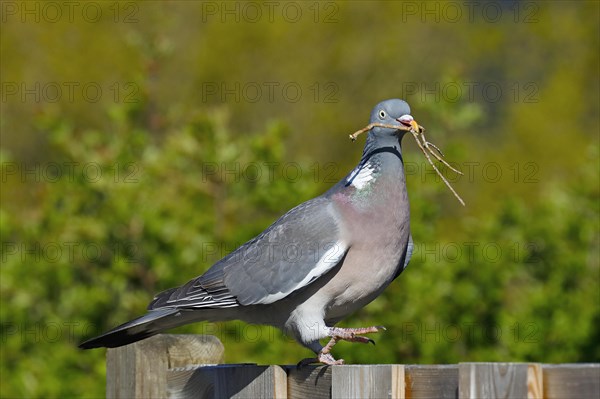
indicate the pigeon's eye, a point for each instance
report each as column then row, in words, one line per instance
column 382, row 114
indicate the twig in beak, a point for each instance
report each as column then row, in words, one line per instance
column 435, row 147
column 370, row 126
column 446, row 182
column 425, row 146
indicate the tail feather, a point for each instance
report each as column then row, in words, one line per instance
column 135, row 330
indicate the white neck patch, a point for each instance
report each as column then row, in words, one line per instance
column 361, row 177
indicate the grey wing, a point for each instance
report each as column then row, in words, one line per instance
column 298, row 248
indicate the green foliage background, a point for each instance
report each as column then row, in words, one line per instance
column 514, row 276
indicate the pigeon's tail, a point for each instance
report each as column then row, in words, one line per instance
column 146, row 326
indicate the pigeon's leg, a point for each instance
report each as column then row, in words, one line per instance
column 346, row 334
column 326, row 357
column 323, row 355
column 338, row 334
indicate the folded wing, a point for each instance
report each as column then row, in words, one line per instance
column 298, row 248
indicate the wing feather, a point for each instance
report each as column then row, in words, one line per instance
column 298, row 248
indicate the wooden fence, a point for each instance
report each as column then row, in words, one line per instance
column 187, row 366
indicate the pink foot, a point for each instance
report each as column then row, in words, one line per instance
column 337, row 334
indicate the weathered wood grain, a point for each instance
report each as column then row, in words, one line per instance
column 431, row 381
column 566, row 381
column 309, row 382
column 535, row 381
column 139, row 370
column 368, row 381
column 227, row 381
column 492, row 380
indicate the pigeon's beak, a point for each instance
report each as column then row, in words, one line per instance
column 409, row 121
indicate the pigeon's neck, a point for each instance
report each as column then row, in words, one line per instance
column 375, row 146
column 381, row 157
column 376, row 188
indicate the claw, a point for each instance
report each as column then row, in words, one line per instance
column 372, row 341
column 360, row 339
column 327, row 359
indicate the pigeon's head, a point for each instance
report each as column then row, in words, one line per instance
column 392, row 112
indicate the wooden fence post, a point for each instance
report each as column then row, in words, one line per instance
column 309, row 382
column 139, row 370
column 368, row 381
column 579, row 380
column 431, row 381
column 228, row 381
column 497, row 380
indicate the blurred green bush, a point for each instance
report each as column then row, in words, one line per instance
column 139, row 214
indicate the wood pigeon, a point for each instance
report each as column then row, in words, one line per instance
column 318, row 263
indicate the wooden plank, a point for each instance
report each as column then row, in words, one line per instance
column 309, row 382
column 535, row 381
column 492, row 380
column 368, row 381
column 227, row 381
column 186, row 382
column 121, row 366
column 187, row 349
column 431, row 381
column 579, row 381
column 139, row 370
